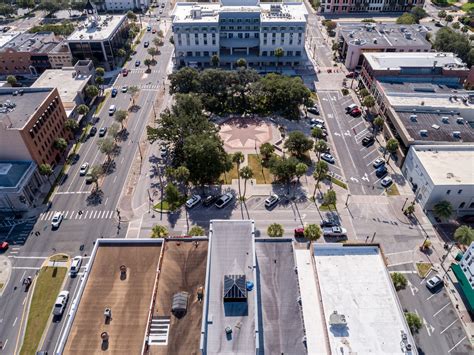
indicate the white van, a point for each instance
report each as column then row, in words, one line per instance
column 75, row 265
column 112, row 110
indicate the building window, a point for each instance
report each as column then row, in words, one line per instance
column 459, row 192
column 448, row 192
column 462, row 204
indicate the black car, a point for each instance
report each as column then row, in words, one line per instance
column 381, row 172
column 209, row 200
column 93, row 131
column 368, row 141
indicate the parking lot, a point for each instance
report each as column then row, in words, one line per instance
column 353, row 160
column 442, row 331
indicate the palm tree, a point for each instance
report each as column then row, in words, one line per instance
column 99, row 81
column 378, row 124
column 443, row 209
column 317, row 133
column 121, row 116
column 82, row 109
column 464, row 235
column 238, row 159
column 279, row 52
column 92, row 91
column 197, row 231
column 330, row 199
column 246, row 173
column 320, row 147
column 320, row 172
column 60, row 144
column 147, row 62
column 71, row 125
column 159, row 231
column 133, row 91
column 241, row 63
column 275, row 230
column 267, row 150
column 300, row 170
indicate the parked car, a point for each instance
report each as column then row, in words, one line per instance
column 355, row 112
column 351, row 75
column 137, row 63
column 57, row 219
column 61, row 302
column 351, row 107
column 381, row 171
column 102, row 131
column 328, row 223
column 146, row 44
column 93, row 131
column 434, row 283
column 271, row 201
column 153, row 31
column 124, row 88
column 386, row 181
column 3, row 246
column 298, row 233
column 124, row 71
column 318, row 121
column 148, row 28
column 378, row 163
column 367, row 141
column 75, row 265
column 89, row 178
column 224, row 200
column 334, row 231
column 328, row 157
column 112, row 110
column 193, row 201
column 114, row 92
column 84, row 169
column 314, row 110
column 209, row 200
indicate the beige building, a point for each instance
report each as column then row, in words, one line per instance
column 60, row 56
column 31, row 119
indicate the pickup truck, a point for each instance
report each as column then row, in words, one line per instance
column 334, row 231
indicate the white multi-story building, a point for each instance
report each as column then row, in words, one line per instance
column 121, row 5
column 442, row 172
column 467, row 264
column 235, row 29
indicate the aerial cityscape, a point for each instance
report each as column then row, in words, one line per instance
column 236, row 177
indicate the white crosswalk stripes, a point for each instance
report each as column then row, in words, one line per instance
column 159, row 331
column 150, row 86
column 69, row 215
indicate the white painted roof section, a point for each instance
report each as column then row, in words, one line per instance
column 313, row 319
column 90, row 32
column 447, row 165
column 7, row 37
column 209, row 12
column 290, row 12
column 398, row 60
column 354, row 282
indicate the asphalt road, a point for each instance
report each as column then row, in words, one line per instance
column 442, row 332
column 99, row 217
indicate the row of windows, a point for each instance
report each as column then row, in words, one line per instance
column 239, row 28
column 239, row 20
column 282, row 41
column 188, row 29
column 45, row 117
column 287, row 53
column 283, row 29
column 449, row 191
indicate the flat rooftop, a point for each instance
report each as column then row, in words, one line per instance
column 183, row 269
column 97, row 31
column 279, row 294
column 12, row 172
column 7, row 37
column 399, row 60
column 25, row 104
column 354, row 282
column 40, row 42
column 385, row 35
column 231, row 252
column 65, row 80
column 447, row 165
column 129, row 298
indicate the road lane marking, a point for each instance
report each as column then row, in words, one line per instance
column 434, row 315
column 23, row 303
column 14, row 322
column 449, row 326
column 22, row 276
column 370, row 153
column 459, row 342
column 25, row 268
column 107, row 199
column 85, row 216
column 29, row 257
column 434, row 294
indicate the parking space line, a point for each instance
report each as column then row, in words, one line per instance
column 459, row 342
column 434, row 294
column 428, row 274
column 353, row 127
column 371, row 152
column 434, row 315
column 449, row 326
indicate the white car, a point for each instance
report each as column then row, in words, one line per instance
column 386, row 181
column 378, row 163
column 112, row 110
column 75, row 265
column 124, row 88
column 317, row 121
column 84, row 169
column 271, row 201
column 57, row 219
column 224, row 200
column 193, row 201
column 328, row 157
column 434, row 283
column 61, row 302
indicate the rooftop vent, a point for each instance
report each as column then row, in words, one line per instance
column 375, row 40
column 423, row 133
column 445, row 119
column 456, row 134
column 408, row 35
column 235, row 289
column 179, row 305
column 413, row 118
column 336, row 319
column 460, row 120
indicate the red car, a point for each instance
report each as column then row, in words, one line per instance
column 3, row 246
column 124, row 71
column 356, row 112
column 299, row 233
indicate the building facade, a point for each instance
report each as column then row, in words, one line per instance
column 360, row 6
column 60, row 56
column 31, row 119
column 29, row 53
column 354, row 39
column 99, row 38
column 123, row 5
column 231, row 30
column 20, row 185
column 441, row 173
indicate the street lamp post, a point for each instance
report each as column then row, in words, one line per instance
column 347, row 199
column 404, row 203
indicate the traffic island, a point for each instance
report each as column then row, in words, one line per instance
column 47, row 285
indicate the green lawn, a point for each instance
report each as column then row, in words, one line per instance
column 48, row 285
column 338, row 182
column 423, row 269
column 261, row 174
column 162, row 205
column 226, row 178
column 327, row 208
column 59, row 257
column 467, row 6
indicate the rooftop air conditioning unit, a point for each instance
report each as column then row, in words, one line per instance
column 423, row 133
column 413, row 118
column 445, row 119
column 457, row 134
column 460, row 120
column 435, row 126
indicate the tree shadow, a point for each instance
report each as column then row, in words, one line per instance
column 123, row 135
column 95, row 198
column 134, row 108
column 109, row 167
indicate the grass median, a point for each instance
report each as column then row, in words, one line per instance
column 47, row 287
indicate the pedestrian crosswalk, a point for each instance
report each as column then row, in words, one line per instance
column 159, row 331
column 150, row 87
column 78, row 214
